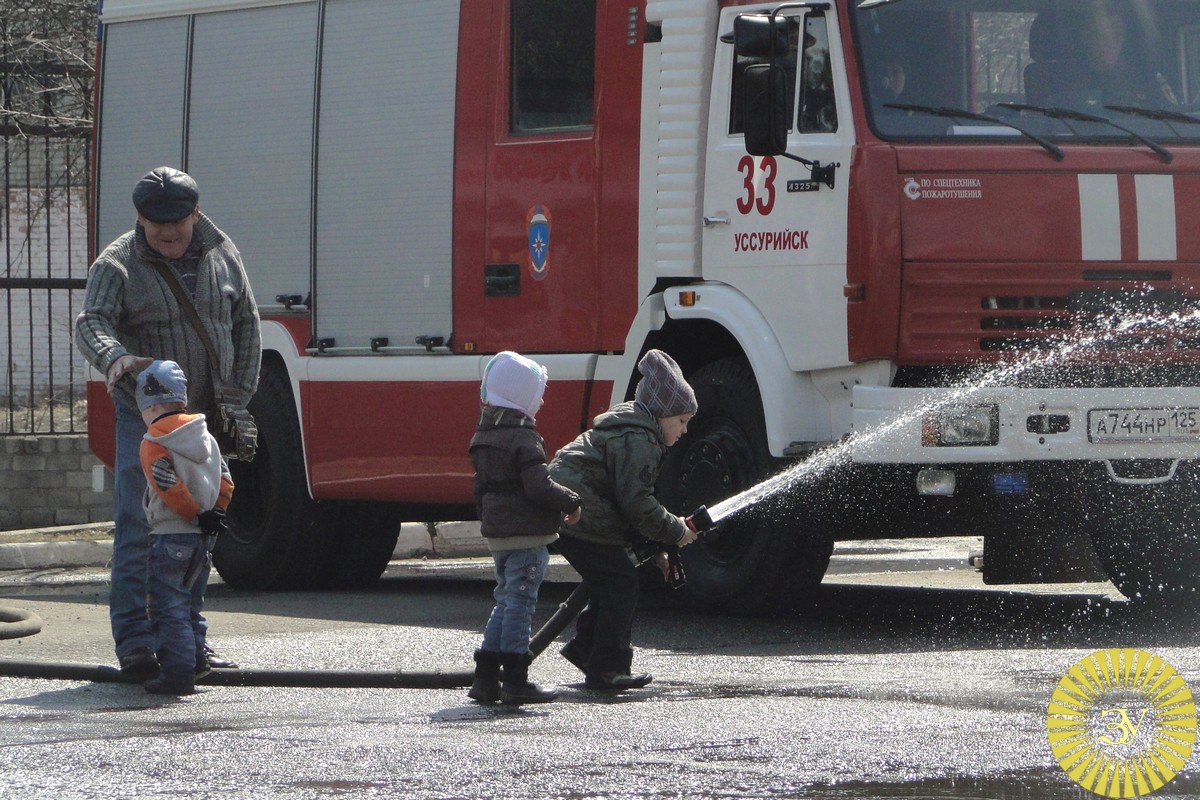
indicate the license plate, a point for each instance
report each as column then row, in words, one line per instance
column 1144, row 424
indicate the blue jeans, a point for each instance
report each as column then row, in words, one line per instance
column 519, row 574
column 170, row 600
column 131, row 547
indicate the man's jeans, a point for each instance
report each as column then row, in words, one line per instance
column 131, row 548
column 171, row 554
column 519, row 574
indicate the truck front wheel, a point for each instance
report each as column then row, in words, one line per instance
column 1147, row 536
column 276, row 531
column 364, row 540
column 759, row 560
column 279, row 537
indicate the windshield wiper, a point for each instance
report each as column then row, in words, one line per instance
column 961, row 113
column 1162, row 115
column 1079, row 116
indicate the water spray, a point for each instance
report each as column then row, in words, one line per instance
column 985, row 378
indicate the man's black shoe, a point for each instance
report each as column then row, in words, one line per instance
column 211, row 659
column 139, row 663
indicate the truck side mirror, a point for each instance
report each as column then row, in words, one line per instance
column 752, row 36
column 766, row 118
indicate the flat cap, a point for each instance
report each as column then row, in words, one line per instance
column 165, row 194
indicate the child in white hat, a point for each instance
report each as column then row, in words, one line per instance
column 521, row 508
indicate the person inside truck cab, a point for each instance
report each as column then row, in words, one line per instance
column 887, row 81
column 1091, row 59
column 891, row 81
column 818, row 111
column 1117, row 69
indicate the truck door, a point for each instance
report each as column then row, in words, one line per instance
column 533, row 283
column 771, row 230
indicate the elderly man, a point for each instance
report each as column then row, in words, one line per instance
column 173, row 288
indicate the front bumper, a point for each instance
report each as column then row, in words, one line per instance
column 887, row 423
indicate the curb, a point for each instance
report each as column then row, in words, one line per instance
column 91, row 545
column 45, row 555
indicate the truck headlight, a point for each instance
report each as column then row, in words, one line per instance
column 961, row 426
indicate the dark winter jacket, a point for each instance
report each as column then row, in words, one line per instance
column 614, row 467
column 519, row 504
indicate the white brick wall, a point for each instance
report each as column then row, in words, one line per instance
column 40, row 242
column 47, row 481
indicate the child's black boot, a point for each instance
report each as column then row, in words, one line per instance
column 619, row 679
column 486, row 687
column 515, row 687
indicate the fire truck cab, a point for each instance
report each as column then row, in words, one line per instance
column 935, row 257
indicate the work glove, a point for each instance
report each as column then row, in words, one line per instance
column 213, row 522
column 238, row 424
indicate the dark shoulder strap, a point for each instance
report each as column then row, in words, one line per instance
column 189, row 311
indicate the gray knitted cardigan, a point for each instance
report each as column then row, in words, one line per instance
column 129, row 310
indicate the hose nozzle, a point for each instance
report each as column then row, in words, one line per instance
column 700, row 520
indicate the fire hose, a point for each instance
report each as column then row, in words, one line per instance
column 16, row 623
column 16, row 620
column 310, row 679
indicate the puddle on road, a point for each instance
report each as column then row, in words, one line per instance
column 356, row 788
column 679, row 692
column 1050, row 783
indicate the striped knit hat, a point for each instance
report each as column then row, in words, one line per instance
column 662, row 388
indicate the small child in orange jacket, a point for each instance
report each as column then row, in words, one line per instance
column 188, row 489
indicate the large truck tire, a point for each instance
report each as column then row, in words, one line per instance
column 1147, row 536
column 760, row 559
column 278, row 537
column 364, row 539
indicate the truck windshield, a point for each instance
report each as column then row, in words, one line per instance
column 1128, row 69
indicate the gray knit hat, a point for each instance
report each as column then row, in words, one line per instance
column 662, row 388
column 165, row 194
column 161, row 382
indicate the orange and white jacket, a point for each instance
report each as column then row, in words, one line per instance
column 185, row 473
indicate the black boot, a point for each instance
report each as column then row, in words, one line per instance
column 486, row 687
column 620, row 678
column 617, row 682
column 515, row 687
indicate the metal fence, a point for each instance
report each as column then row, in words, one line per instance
column 44, row 232
column 47, row 52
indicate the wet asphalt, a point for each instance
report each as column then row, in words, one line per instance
column 903, row 676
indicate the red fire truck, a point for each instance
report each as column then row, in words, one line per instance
column 948, row 246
